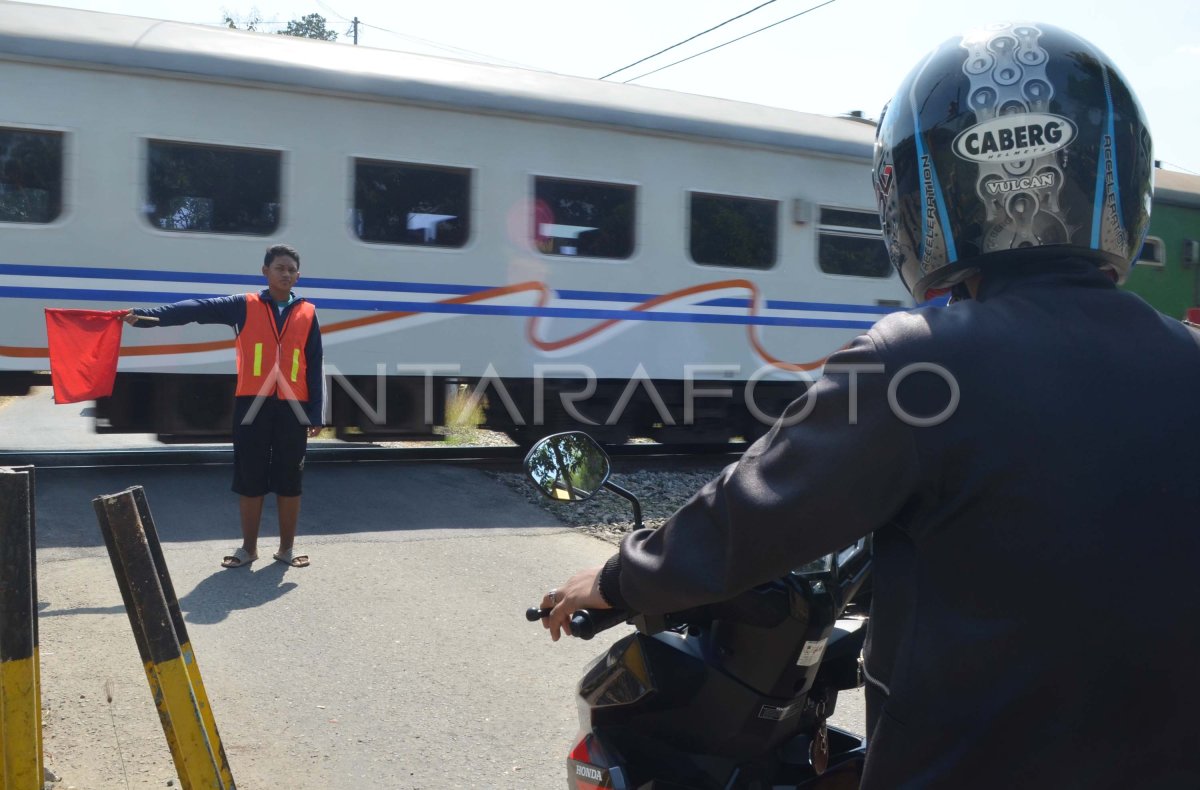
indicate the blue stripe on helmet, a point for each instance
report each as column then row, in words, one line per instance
column 939, row 201
column 943, row 217
column 1110, row 131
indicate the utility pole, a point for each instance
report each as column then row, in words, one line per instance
column 356, row 31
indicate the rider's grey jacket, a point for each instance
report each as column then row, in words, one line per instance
column 1036, row 542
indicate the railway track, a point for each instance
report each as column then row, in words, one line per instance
column 499, row 455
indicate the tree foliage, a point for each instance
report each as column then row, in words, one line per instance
column 250, row 22
column 311, row 26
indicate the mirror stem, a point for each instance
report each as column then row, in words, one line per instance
column 637, row 507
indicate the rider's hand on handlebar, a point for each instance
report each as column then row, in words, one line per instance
column 582, row 591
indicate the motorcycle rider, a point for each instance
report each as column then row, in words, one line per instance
column 1022, row 456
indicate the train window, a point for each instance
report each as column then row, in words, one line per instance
column 401, row 203
column 733, row 231
column 585, row 218
column 31, row 175
column 1153, row 253
column 850, row 242
column 212, row 188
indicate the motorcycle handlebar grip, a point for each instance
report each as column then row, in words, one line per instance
column 586, row 623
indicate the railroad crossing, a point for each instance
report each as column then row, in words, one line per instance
column 400, row 659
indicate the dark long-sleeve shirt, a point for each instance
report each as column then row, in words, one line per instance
column 1035, row 550
column 231, row 311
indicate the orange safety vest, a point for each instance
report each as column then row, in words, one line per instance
column 271, row 362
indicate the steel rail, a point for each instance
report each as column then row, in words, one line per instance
column 339, row 453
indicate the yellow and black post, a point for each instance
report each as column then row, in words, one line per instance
column 158, row 630
column 20, row 682
column 181, row 634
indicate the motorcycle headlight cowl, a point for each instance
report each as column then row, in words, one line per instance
column 619, row 677
column 819, row 567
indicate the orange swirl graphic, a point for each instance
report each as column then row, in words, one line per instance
column 751, row 333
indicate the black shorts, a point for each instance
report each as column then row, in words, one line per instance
column 268, row 452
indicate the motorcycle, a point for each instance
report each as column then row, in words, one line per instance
column 731, row 695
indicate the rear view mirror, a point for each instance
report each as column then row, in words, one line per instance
column 568, row 467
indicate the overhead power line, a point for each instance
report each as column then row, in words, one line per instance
column 449, row 48
column 686, row 40
column 330, row 10
column 357, row 23
column 727, row 43
column 1179, row 167
column 354, row 23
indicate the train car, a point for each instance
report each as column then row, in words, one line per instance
column 571, row 249
column 1167, row 274
column 639, row 261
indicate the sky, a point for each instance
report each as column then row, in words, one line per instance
column 823, row 56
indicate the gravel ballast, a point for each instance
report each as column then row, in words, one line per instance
column 609, row 516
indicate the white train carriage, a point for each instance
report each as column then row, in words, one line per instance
column 573, row 249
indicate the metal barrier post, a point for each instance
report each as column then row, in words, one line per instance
column 181, row 634
column 20, row 682
column 182, row 706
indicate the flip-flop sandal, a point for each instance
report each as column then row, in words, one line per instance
column 290, row 558
column 239, row 558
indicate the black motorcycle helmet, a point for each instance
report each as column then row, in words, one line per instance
column 1010, row 142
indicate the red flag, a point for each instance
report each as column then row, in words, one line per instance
column 84, row 346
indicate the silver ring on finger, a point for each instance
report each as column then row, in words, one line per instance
column 553, row 596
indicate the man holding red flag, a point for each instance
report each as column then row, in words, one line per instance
column 280, row 393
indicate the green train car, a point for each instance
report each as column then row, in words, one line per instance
column 1167, row 274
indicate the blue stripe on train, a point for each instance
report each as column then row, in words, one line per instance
column 79, row 294
column 775, row 304
column 401, row 287
column 254, row 280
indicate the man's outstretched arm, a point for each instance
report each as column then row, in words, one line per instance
column 227, row 310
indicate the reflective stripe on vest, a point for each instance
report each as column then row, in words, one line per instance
column 262, row 349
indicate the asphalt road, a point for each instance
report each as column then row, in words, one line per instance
column 400, row 659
